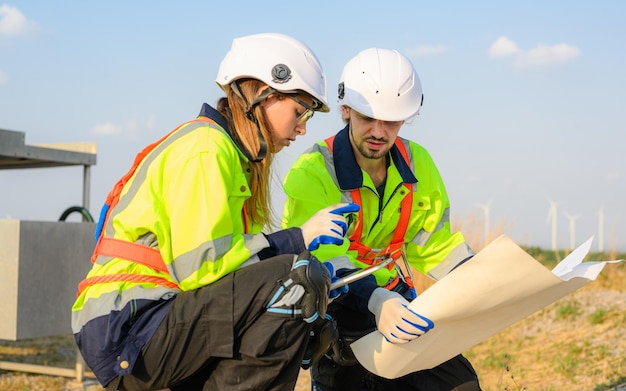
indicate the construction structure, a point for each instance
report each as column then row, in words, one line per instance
column 42, row 262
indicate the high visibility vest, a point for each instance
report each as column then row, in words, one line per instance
column 371, row 256
column 134, row 252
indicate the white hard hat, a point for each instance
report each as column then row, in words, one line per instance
column 284, row 63
column 381, row 84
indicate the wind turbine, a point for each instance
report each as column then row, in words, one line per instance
column 552, row 216
column 572, row 229
column 485, row 208
column 601, row 230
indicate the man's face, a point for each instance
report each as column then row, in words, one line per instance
column 372, row 138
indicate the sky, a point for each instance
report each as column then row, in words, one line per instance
column 523, row 108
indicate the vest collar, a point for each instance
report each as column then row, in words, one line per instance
column 349, row 174
column 210, row 112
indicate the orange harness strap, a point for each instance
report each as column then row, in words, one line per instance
column 394, row 250
column 366, row 254
column 135, row 252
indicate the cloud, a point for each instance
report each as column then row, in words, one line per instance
column 14, row 23
column 503, row 47
column 427, row 50
column 547, row 56
column 3, row 77
column 541, row 56
column 106, row 129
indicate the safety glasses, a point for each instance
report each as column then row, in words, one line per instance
column 308, row 112
column 302, row 118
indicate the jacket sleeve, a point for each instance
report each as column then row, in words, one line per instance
column 286, row 241
column 433, row 248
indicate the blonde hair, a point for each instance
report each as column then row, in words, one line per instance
column 245, row 133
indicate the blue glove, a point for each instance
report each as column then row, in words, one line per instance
column 394, row 319
column 327, row 226
column 342, row 211
column 334, row 293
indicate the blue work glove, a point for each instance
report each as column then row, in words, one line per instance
column 395, row 321
column 327, row 226
column 334, row 293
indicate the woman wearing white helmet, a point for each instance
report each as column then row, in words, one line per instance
column 404, row 218
column 186, row 292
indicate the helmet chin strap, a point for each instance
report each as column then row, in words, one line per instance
column 250, row 115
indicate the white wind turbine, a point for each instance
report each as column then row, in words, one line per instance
column 601, row 230
column 552, row 217
column 572, row 229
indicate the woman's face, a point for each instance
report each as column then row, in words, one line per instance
column 287, row 116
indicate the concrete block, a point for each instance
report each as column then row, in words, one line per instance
column 41, row 264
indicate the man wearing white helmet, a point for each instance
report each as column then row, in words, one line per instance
column 185, row 291
column 404, row 219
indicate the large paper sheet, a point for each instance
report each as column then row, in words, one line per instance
column 499, row 286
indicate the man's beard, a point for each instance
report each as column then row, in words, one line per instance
column 368, row 153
